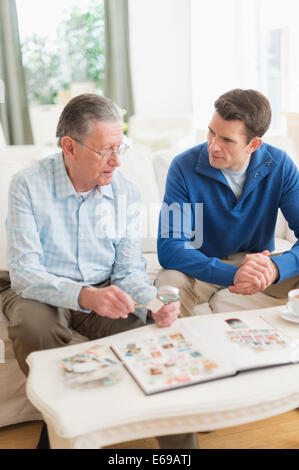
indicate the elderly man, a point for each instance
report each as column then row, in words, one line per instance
column 73, row 253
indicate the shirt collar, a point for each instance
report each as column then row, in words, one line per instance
column 64, row 187
column 63, row 184
column 107, row 191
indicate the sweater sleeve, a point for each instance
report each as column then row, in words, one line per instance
column 180, row 235
column 288, row 262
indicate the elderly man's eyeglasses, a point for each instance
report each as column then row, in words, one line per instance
column 107, row 154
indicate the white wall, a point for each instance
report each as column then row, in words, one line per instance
column 161, row 56
column 223, row 52
column 185, row 53
column 285, row 16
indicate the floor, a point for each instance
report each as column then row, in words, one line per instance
column 279, row 432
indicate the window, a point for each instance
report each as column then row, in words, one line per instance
column 62, row 45
column 273, row 74
column 245, row 44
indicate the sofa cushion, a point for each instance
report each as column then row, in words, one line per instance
column 153, row 266
column 137, row 166
column 161, row 161
column 161, row 132
column 282, row 245
column 155, row 141
column 25, row 153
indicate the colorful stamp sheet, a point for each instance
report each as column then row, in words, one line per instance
column 168, row 359
column 257, row 340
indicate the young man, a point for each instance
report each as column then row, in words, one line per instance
column 73, row 255
column 220, row 207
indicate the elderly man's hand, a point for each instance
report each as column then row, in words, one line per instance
column 167, row 314
column 109, row 301
column 256, row 273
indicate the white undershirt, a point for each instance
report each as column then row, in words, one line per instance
column 236, row 180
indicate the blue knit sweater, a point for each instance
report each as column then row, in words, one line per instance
column 223, row 224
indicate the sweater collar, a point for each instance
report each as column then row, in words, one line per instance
column 262, row 162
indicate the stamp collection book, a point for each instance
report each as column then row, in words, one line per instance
column 180, row 355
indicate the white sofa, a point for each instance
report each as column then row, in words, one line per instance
column 148, row 170
column 161, row 132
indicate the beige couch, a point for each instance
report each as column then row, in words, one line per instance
column 148, row 170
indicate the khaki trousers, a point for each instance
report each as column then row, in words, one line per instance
column 34, row 326
column 193, row 291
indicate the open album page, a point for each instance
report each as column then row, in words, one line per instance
column 249, row 343
column 169, row 358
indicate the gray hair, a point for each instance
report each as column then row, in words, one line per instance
column 78, row 114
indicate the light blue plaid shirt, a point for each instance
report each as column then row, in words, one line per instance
column 58, row 241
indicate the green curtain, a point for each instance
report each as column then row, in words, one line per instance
column 14, row 113
column 117, row 82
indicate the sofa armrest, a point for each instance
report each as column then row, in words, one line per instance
column 26, row 153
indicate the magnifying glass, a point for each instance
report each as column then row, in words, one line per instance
column 165, row 295
column 168, row 294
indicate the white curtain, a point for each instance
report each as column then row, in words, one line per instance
column 14, row 112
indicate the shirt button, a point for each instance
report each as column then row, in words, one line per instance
column 256, row 175
column 82, row 234
column 81, row 198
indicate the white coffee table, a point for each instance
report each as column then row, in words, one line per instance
column 101, row 416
